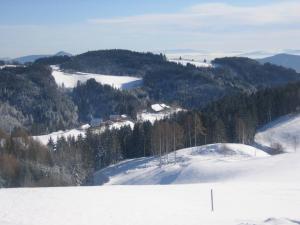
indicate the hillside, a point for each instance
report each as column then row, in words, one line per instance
column 285, row 60
column 33, row 58
column 114, row 62
column 210, row 163
column 283, row 133
column 188, row 85
column 38, row 103
column 70, row 80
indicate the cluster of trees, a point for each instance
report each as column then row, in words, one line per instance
column 96, row 100
column 53, row 60
column 189, row 86
column 253, row 73
column 30, row 97
column 25, row 162
column 115, row 62
column 232, row 119
column 70, row 161
column 31, row 94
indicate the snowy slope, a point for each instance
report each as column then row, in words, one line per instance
column 70, row 80
column 44, row 139
column 284, row 131
column 209, row 163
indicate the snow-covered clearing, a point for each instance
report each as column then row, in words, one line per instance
column 69, row 80
column 193, row 62
column 44, row 139
column 160, row 112
column 8, row 66
column 284, row 131
column 119, row 125
column 159, row 107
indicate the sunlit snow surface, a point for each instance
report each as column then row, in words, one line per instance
column 284, row 131
column 44, row 139
column 69, row 80
column 250, row 187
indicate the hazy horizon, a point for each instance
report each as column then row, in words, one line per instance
column 34, row 27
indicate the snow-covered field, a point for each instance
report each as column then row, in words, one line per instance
column 245, row 197
column 44, row 139
column 250, row 188
column 235, row 204
column 284, row 131
column 6, row 66
column 193, row 62
column 70, row 80
column 160, row 112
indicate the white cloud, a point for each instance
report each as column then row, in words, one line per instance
column 212, row 27
column 215, row 14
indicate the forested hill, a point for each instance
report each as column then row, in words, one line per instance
column 115, row 62
column 253, row 73
column 189, row 86
column 29, row 97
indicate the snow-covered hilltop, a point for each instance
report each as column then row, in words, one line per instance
column 69, row 80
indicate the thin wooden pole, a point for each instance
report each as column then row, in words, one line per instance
column 212, row 200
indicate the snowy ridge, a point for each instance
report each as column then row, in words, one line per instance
column 69, row 80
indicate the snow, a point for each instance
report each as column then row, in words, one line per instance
column 250, row 188
column 118, row 125
column 69, row 80
column 235, row 204
column 209, row 163
column 284, row 131
column 161, row 111
column 7, row 66
column 193, row 62
column 159, row 107
column 44, row 139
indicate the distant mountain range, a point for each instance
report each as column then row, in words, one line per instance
column 32, row 58
column 285, row 60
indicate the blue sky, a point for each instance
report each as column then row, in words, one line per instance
column 42, row 26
